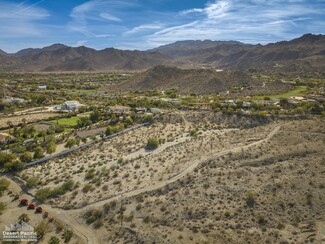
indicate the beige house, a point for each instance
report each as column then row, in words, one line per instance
column 119, row 109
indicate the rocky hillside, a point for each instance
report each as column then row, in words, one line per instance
column 198, row 81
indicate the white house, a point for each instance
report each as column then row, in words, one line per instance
column 72, row 105
column 42, row 87
column 155, row 110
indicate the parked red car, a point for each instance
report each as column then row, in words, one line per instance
column 39, row 210
column 31, row 206
column 23, row 201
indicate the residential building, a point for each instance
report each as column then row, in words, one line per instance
column 119, row 109
column 72, row 105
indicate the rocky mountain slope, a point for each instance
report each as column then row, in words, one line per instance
column 306, row 53
column 59, row 57
column 198, row 81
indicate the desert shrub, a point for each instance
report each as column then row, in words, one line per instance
column 31, row 182
column 54, row 240
column 3, row 185
column 40, row 229
column 92, row 216
column 261, row 219
column 99, row 223
column 90, row 174
column 43, row 194
column 140, row 198
column 86, row 188
column 193, row 133
column 67, row 235
column 46, row 193
column 2, row 207
column 250, row 199
column 24, row 217
column 146, row 220
column 152, row 143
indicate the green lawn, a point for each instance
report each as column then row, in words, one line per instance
column 297, row 92
column 70, row 122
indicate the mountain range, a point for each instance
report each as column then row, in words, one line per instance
column 306, row 53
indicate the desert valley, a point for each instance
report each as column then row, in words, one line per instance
column 191, row 142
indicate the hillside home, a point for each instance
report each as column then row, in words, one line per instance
column 72, row 105
column 13, row 100
column 141, row 110
column 119, row 109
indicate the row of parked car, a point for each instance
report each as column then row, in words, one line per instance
column 32, row 206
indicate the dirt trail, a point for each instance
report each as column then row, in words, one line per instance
column 88, row 235
column 85, row 233
column 180, row 175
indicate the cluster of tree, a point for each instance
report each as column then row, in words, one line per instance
column 114, row 129
column 9, row 162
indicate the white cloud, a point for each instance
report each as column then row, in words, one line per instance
column 85, row 16
column 145, row 27
column 253, row 20
column 19, row 20
column 110, row 17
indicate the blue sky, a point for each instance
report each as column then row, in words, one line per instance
column 144, row 24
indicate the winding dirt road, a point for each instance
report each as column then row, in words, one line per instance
column 88, row 235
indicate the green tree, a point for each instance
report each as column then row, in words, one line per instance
column 14, row 166
column 70, row 142
column 26, row 157
column 94, row 116
column 6, row 158
column 109, row 130
column 50, row 147
column 83, row 122
column 38, row 152
column 129, row 121
column 147, row 118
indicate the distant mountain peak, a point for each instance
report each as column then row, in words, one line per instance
column 54, row 47
column 3, row 52
column 310, row 38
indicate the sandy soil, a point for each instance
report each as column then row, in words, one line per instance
column 196, row 189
